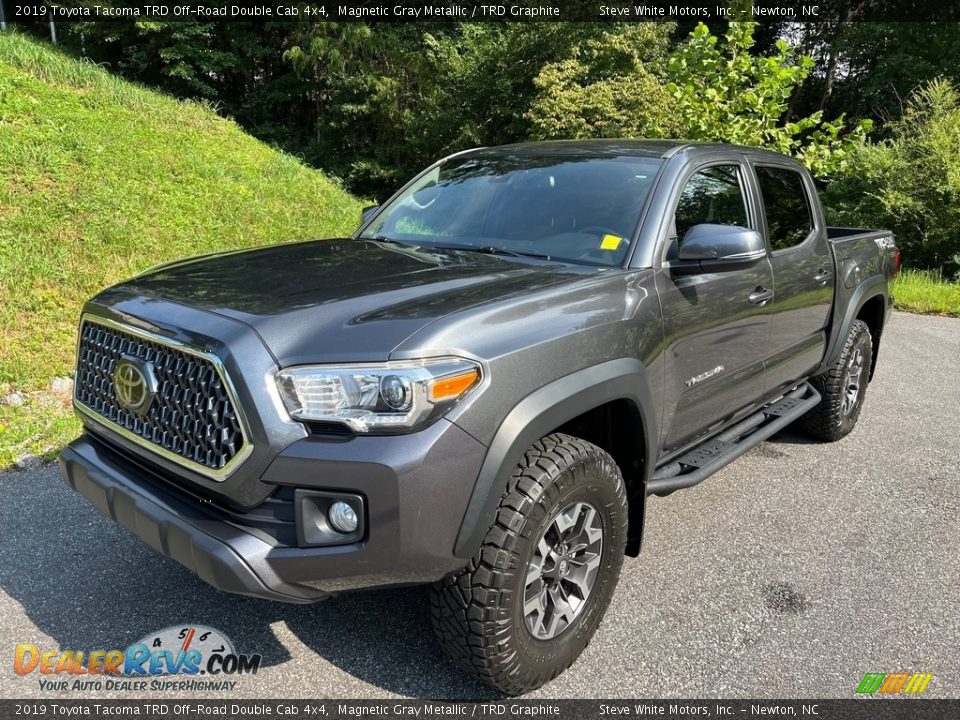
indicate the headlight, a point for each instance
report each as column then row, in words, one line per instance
column 398, row 395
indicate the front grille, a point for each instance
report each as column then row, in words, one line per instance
column 192, row 418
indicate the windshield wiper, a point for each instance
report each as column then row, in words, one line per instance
column 494, row 250
column 485, row 249
column 391, row 241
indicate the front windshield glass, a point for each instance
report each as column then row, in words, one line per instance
column 580, row 209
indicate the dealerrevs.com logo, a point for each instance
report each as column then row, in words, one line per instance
column 183, row 652
column 901, row 683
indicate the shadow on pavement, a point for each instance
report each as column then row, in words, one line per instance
column 89, row 584
column 793, row 437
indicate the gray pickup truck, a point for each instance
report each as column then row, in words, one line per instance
column 482, row 387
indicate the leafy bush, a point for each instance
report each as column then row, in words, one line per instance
column 710, row 90
column 910, row 183
column 724, row 93
column 389, row 102
column 607, row 88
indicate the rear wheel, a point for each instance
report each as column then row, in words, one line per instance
column 526, row 606
column 842, row 388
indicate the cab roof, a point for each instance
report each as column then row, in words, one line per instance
column 612, row 147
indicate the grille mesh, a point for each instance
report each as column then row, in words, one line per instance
column 192, row 415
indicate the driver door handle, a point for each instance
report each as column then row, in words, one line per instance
column 823, row 276
column 761, row 296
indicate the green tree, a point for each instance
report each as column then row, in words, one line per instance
column 722, row 92
column 200, row 60
column 235, row 66
column 487, row 74
column 606, row 88
column 910, row 182
column 387, row 102
column 363, row 87
column 883, row 63
column 711, row 90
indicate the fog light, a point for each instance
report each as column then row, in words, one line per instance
column 342, row 517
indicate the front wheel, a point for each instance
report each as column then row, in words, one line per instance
column 842, row 388
column 526, row 606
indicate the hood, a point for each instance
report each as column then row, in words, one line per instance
column 344, row 300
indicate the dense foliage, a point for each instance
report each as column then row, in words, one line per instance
column 710, row 89
column 373, row 103
column 612, row 85
column 910, row 182
column 392, row 99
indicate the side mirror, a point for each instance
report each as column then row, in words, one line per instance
column 715, row 248
column 367, row 212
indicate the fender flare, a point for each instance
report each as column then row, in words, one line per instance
column 542, row 412
column 867, row 290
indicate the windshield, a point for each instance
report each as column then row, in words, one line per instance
column 580, row 209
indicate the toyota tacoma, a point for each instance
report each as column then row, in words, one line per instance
column 483, row 386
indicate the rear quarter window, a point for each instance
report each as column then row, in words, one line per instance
column 787, row 206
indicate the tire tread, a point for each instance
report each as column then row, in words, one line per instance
column 470, row 609
column 825, row 421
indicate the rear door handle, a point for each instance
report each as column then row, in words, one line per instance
column 823, row 276
column 760, row 296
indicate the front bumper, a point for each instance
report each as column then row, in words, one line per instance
column 416, row 489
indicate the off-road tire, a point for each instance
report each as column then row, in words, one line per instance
column 477, row 613
column 828, row 420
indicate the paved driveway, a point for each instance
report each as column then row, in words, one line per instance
column 790, row 573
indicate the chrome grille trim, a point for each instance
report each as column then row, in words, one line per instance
column 217, row 474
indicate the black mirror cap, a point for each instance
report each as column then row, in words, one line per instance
column 368, row 212
column 714, row 248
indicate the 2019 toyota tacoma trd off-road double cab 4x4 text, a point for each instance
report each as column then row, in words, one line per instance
column 482, row 387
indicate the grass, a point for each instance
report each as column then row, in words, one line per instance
column 101, row 178
column 926, row 292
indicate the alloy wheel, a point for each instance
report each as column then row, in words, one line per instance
column 851, row 392
column 562, row 572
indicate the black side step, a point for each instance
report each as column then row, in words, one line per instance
column 699, row 464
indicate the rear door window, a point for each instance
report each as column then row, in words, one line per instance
column 785, row 201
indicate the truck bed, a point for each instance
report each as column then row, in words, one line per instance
column 841, row 234
column 863, row 258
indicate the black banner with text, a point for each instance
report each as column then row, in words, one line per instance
column 186, row 709
column 457, row 11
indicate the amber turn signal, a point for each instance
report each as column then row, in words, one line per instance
column 453, row 386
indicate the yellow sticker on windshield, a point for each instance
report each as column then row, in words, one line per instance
column 610, row 242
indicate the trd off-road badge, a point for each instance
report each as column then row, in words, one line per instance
column 697, row 379
column 148, row 664
column 134, row 384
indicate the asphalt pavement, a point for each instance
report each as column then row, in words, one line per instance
column 790, row 573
